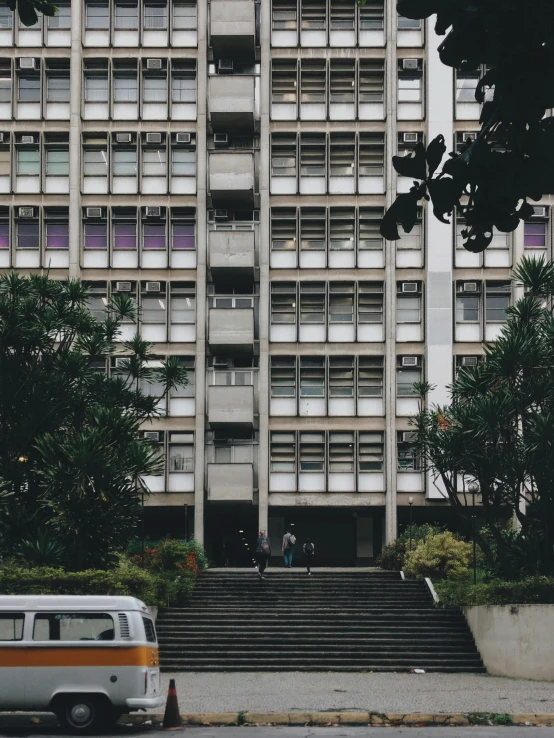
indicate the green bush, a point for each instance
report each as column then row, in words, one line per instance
column 461, row 592
column 438, row 557
column 394, row 554
column 169, row 554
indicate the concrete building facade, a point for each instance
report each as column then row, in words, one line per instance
column 226, row 164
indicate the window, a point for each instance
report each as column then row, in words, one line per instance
column 343, row 15
column 124, row 236
column 28, row 236
column 184, row 16
column 183, row 307
column 11, row 626
column 408, row 456
column 283, row 452
column 534, row 234
column 283, row 156
column 73, row 627
column 312, row 452
column 341, row 376
column 283, row 82
column 57, row 89
column 97, row 16
column 466, row 84
column 313, row 15
column 312, row 376
column 153, row 236
column 183, row 163
column 154, row 89
column 57, row 162
column 312, row 229
column 283, row 302
column 283, row 376
column 6, row 17
column 126, row 17
column 312, row 302
column 124, row 163
column 284, row 15
column 5, row 89
column 96, row 88
column 405, row 379
column 183, row 236
column 57, row 236
column 372, row 15
column 28, row 162
column 371, row 155
column 312, row 81
column 153, row 311
column 95, row 163
column 369, row 223
column 370, row 452
column 370, row 376
column 149, row 630
column 342, row 82
column 370, row 302
column 497, row 299
column 409, row 88
column 371, row 81
column 467, row 308
column 4, row 236
column 96, row 236
column 342, row 153
column 341, row 452
column 183, row 88
column 312, row 155
column 154, row 162
column 341, row 302
column 408, row 24
column 29, row 88
column 155, row 17
column 283, row 229
column 408, row 309
column 62, row 19
column 125, row 88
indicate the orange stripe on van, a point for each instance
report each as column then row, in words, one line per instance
column 71, row 656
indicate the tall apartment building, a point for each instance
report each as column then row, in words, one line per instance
column 226, row 163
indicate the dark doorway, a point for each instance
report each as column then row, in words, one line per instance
column 230, row 535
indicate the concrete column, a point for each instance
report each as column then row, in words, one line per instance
column 75, row 142
column 518, row 251
column 438, row 297
column 201, row 250
column 263, row 374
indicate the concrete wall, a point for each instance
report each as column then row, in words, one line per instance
column 515, row 640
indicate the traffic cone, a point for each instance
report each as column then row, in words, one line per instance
column 172, row 716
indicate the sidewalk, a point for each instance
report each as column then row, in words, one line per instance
column 301, row 692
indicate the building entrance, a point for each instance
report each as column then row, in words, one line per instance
column 230, row 536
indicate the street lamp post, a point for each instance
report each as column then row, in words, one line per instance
column 473, row 489
column 410, row 503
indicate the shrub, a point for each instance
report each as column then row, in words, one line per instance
column 438, row 557
column 394, row 554
column 170, row 555
column 461, row 592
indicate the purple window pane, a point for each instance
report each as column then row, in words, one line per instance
column 4, row 236
column 125, row 236
column 27, row 235
column 183, row 237
column 96, row 236
column 154, row 236
column 534, row 235
column 57, row 236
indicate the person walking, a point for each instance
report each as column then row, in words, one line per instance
column 287, row 547
column 309, row 550
column 263, row 552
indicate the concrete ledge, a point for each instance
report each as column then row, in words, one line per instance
column 333, row 719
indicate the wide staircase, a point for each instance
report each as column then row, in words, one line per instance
column 347, row 621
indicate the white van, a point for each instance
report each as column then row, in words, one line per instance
column 87, row 659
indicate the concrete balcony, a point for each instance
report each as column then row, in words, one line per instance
column 231, row 254
column 231, row 103
column 232, row 179
column 230, row 482
column 231, row 330
column 230, row 406
column 233, row 29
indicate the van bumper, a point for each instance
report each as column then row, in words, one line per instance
column 144, row 703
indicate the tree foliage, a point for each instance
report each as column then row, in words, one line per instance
column 28, row 9
column 511, row 159
column 72, row 455
column 499, row 431
column 438, row 557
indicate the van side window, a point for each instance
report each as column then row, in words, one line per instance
column 149, row 630
column 11, row 626
column 68, row 626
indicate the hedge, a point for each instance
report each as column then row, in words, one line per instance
column 461, row 592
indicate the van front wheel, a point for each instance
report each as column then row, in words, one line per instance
column 84, row 714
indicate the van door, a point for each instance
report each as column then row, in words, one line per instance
column 12, row 661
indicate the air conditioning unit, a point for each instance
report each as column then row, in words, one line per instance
column 220, row 214
column 469, row 361
column 182, row 138
column 408, row 436
column 409, row 286
column 410, row 360
column 411, row 64
column 26, row 212
column 221, row 139
column 470, row 287
column 409, row 138
column 152, row 435
column 153, row 211
column 123, row 138
column 540, row 212
column 123, row 286
column 153, row 286
column 225, row 66
column 153, row 64
column 27, row 140
column 27, row 62
column 153, row 138
column 94, row 212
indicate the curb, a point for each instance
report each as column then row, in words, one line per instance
column 334, row 719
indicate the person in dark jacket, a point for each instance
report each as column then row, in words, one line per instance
column 263, row 552
column 309, row 551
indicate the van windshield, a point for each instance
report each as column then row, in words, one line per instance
column 68, row 626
